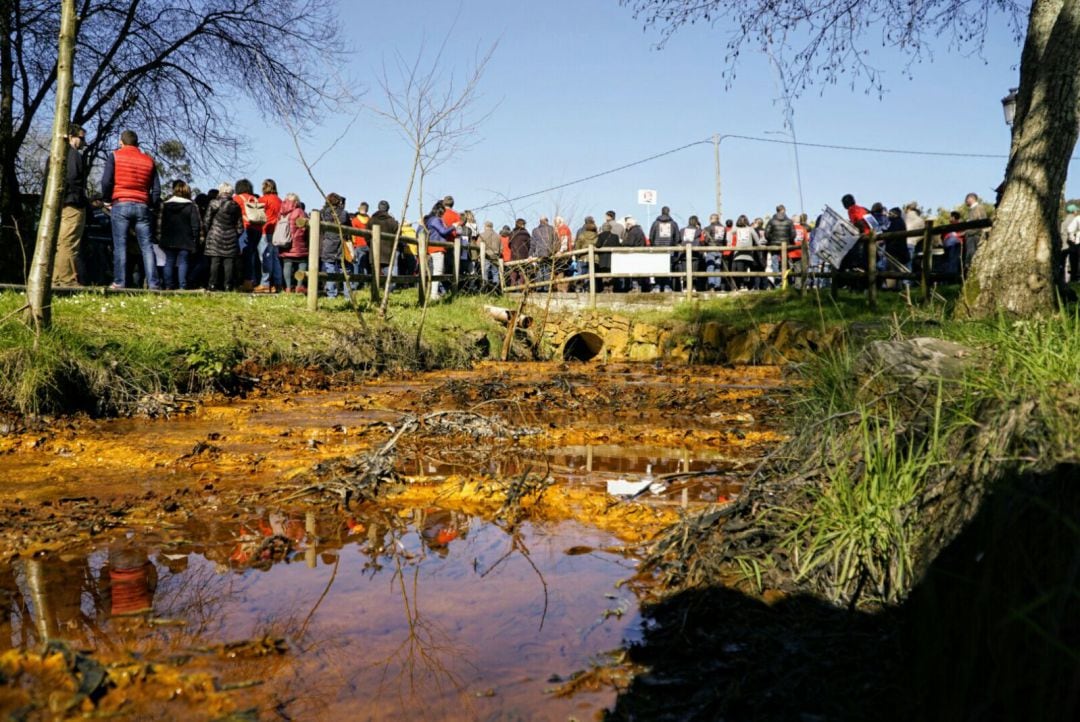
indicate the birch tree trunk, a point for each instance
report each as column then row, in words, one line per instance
column 1013, row 271
column 39, row 283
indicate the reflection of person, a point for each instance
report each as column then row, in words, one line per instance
column 129, row 581
column 440, row 527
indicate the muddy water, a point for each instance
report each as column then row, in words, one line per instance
column 164, row 541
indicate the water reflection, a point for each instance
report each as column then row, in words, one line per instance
column 390, row 613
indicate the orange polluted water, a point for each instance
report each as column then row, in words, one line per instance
column 427, row 603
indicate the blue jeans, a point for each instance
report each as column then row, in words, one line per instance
column 361, row 261
column 271, row 264
column 292, row 265
column 252, row 259
column 125, row 215
column 331, row 286
column 176, row 263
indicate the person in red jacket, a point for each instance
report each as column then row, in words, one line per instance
column 130, row 183
column 271, row 280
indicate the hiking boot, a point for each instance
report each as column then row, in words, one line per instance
column 263, row 289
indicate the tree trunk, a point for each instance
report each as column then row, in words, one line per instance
column 39, row 283
column 1013, row 270
column 12, row 251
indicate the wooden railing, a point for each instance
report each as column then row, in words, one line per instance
column 532, row 280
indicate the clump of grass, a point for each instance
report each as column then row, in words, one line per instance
column 862, row 519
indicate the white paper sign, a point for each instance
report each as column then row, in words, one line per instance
column 640, row 264
column 834, row 237
column 646, row 197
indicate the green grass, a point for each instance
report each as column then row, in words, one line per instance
column 862, row 519
column 105, row 352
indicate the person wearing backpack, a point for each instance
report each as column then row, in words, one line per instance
column 745, row 238
column 253, row 216
column 270, row 279
column 294, row 256
column 665, row 232
column 692, row 236
column 179, row 226
column 713, row 235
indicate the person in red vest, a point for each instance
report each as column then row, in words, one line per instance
column 130, row 182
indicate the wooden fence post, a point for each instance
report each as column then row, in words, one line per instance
column 376, row 255
column 483, row 263
column 457, row 263
column 783, row 264
column 592, row 276
column 871, row 270
column 927, row 260
column 422, row 252
column 502, row 274
column 314, row 235
column 689, row 272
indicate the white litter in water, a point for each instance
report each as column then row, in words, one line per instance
column 622, row 487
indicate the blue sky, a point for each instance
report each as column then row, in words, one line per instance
column 576, row 87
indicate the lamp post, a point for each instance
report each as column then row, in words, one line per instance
column 1008, row 105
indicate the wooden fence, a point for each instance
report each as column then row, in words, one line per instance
column 531, row 280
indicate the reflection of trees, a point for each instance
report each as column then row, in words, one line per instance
column 45, row 600
column 197, row 607
column 423, row 654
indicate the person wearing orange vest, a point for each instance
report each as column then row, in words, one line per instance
column 361, row 250
column 130, row 182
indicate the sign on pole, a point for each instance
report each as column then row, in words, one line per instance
column 834, row 237
column 646, row 197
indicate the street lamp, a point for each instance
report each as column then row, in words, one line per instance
column 1008, row 105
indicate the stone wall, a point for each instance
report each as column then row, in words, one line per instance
column 627, row 340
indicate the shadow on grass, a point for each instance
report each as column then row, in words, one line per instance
column 992, row 632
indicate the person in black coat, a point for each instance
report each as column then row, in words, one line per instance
column 179, row 227
column 607, row 238
column 330, row 240
column 222, row 228
column 73, row 213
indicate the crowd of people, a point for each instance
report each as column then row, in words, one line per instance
column 233, row 237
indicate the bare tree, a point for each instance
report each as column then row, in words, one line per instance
column 832, row 39
column 39, row 284
column 432, row 111
column 163, row 67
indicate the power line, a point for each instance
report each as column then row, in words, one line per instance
column 829, row 146
column 593, row 176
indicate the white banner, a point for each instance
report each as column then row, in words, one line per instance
column 640, row 264
column 646, row 197
column 834, row 237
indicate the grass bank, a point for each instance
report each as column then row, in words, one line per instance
column 109, row 354
column 132, row 353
